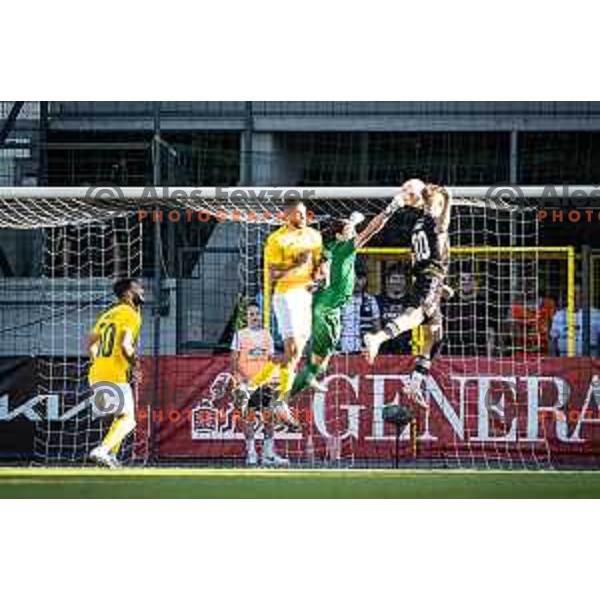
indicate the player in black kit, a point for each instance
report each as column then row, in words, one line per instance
column 429, row 207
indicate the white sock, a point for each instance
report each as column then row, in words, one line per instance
column 417, row 378
column 268, row 447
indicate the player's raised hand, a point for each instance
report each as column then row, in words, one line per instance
column 397, row 203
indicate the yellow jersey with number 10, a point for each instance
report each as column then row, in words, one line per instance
column 110, row 363
column 285, row 246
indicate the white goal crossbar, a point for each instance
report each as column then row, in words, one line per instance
column 151, row 193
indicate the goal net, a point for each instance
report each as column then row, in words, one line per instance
column 212, row 240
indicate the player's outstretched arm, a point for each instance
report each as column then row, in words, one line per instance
column 444, row 222
column 127, row 344
column 376, row 224
column 93, row 344
column 128, row 349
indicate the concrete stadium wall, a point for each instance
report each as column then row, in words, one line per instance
column 52, row 317
column 329, row 116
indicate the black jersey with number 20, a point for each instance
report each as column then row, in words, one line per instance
column 425, row 243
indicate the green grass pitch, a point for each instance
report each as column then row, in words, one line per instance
column 259, row 483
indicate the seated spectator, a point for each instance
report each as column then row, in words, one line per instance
column 559, row 332
column 529, row 323
column 471, row 320
column 391, row 304
column 359, row 316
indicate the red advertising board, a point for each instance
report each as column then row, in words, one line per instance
column 536, row 409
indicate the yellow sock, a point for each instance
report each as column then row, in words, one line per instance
column 119, row 430
column 115, row 449
column 265, row 374
column 286, row 377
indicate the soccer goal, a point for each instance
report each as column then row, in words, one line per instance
column 485, row 390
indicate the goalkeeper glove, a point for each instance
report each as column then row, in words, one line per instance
column 395, row 204
column 356, row 218
column 447, row 291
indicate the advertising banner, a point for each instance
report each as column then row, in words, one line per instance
column 535, row 409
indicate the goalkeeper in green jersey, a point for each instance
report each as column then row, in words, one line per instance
column 340, row 243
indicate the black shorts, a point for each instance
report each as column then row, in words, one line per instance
column 263, row 397
column 426, row 293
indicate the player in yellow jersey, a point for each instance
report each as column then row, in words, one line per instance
column 293, row 256
column 112, row 347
